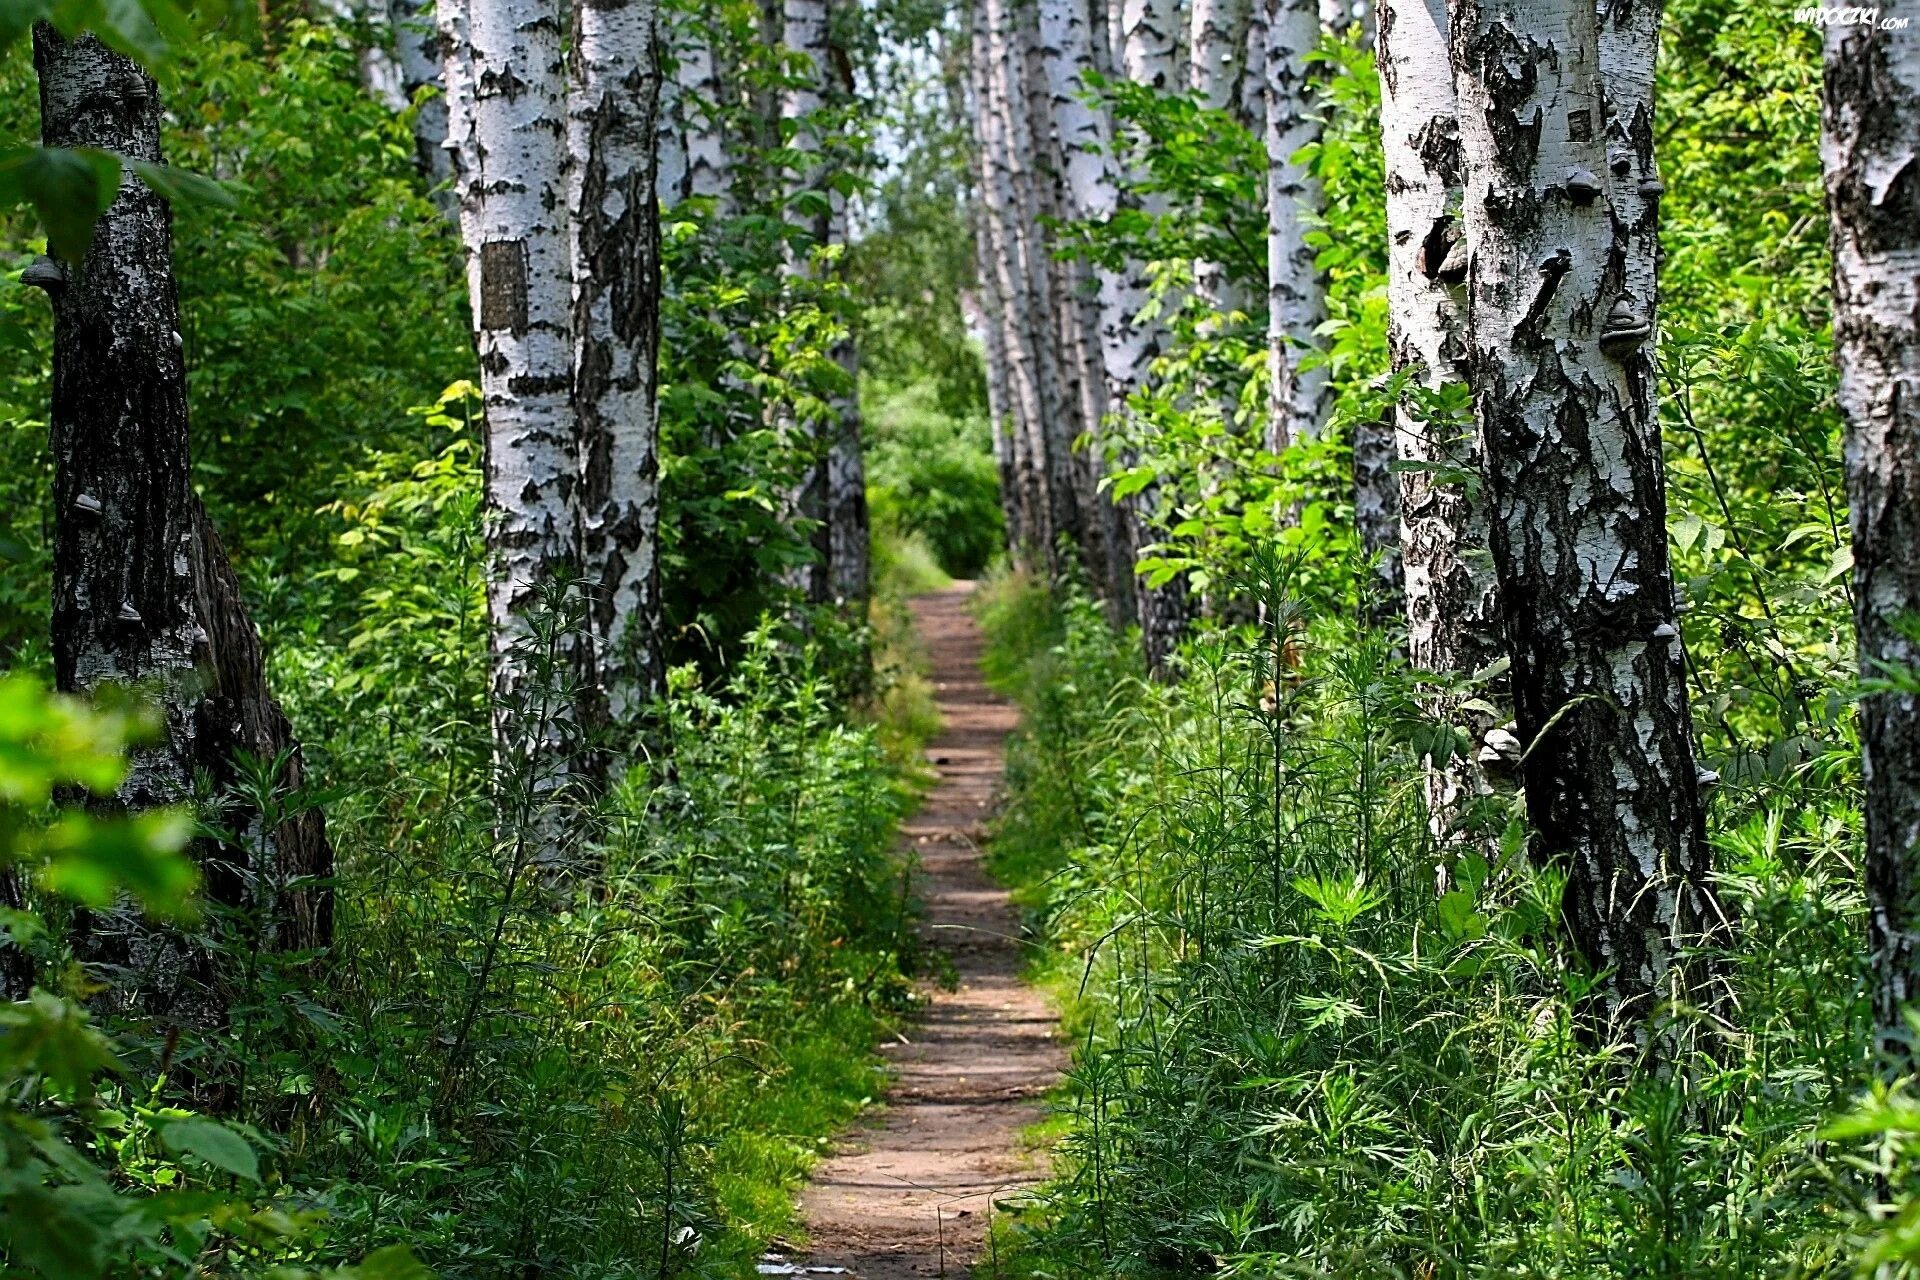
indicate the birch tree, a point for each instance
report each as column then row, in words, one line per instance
column 1296, row 288
column 1068, row 37
column 143, row 594
column 693, row 158
column 614, row 252
column 1026, row 134
column 1149, row 52
column 1452, row 602
column 421, row 62
column 1007, row 255
column 1871, row 153
column 506, row 95
column 1563, row 397
column 1218, row 47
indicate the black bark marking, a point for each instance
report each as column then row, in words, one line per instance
column 503, row 285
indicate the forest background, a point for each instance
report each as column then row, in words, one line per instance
column 1295, row 1056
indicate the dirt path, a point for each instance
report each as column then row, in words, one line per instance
column 910, row 1195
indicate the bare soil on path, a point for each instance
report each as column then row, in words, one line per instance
column 910, row 1194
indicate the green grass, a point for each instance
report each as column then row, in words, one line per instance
column 785, row 1117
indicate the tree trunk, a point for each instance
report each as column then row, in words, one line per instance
column 1454, row 625
column 615, row 263
column 506, row 86
column 1296, row 288
column 804, row 30
column 1563, row 396
column 1005, row 254
column 143, row 594
column 694, row 163
column 421, row 59
column 1150, row 55
column 1376, row 515
column 849, row 535
column 1020, row 76
column 1871, row 151
column 1085, row 136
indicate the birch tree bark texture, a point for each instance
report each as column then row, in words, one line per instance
column 1454, row 626
column 614, row 252
column 849, row 537
column 1296, row 288
column 506, row 97
column 1016, row 75
column 1068, row 38
column 421, row 61
column 143, row 594
column 1871, row 153
column 805, row 30
column 1150, row 35
column 693, row 159
column 1006, row 260
column 1578, row 530
column 1218, row 47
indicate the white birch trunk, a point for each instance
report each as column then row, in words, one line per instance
column 1296, row 288
column 1217, row 49
column 1217, row 54
column 1573, row 468
column 1006, row 259
column 804, row 30
column 1453, row 605
column 1086, row 138
column 1035, row 170
column 1149, row 54
column 506, row 84
column 1871, row 150
column 421, row 60
column 615, row 263
column 694, row 161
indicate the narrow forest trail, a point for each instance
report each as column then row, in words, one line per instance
column 909, row 1194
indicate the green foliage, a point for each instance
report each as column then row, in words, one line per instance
column 933, row 476
column 1312, row 1042
column 494, row 1069
column 1296, row 1057
column 97, row 1179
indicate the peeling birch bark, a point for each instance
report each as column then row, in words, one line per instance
column 1871, row 152
column 1454, row 625
column 614, row 251
column 1574, row 472
column 143, row 594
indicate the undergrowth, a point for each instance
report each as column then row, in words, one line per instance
column 1310, row 1042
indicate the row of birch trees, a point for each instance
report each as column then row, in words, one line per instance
column 1522, row 198
column 560, row 132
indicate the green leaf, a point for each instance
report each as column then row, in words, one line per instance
column 395, row 1262
column 58, row 1233
column 92, row 860
column 214, row 1143
column 1458, row 918
column 17, row 18
column 69, row 188
column 53, row 1037
column 181, row 186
